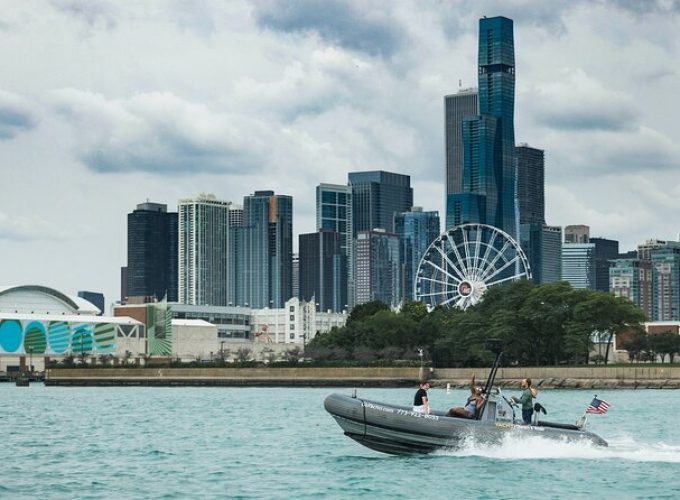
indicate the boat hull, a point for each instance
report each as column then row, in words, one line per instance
column 398, row 430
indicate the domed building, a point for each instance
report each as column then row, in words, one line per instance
column 39, row 323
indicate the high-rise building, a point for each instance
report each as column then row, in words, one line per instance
column 543, row 247
column 456, row 108
column 323, row 271
column 665, row 262
column 265, row 250
column 377, row 267
column 605, row 252
column 152, row 252
column 334, row 213
column 577, row 234
column 204, row 242
column 416, row 230
column 578, row 265
column 487, row 192
column 530, row 184
column 296, row 275
column 377, row 197
column 632, row 278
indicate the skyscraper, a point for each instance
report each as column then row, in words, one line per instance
column 530, row 184
column 267, row 250
column 377, row 266
column 632, row 279
column 487, row 192
column 416, row 230
column 543, row 247
column 152, row 252
column 605, row 252
column 334, row 213
column 578, row 264
column 456, row 108
column 204, row 242
column 323, row 271
column 666, row 282
column 377, row 197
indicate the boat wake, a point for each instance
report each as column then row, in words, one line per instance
column 515, row 447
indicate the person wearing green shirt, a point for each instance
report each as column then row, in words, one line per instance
column 526, row 400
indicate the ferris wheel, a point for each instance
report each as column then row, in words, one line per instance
column 463, row 262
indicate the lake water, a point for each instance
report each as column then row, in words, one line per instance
column 280, row 443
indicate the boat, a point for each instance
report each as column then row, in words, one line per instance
column 398, row 430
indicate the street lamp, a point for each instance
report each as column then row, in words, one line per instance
column 222, row 342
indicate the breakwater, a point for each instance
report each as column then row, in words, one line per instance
column 595, row 377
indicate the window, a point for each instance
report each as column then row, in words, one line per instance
column 292, row 317
column 292, row 308
column 292, row 326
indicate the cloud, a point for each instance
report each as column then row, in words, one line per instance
column 580, row 102
column 161, row 133
column 16, row 115
column 33, row 228
column 91, row 12
column 358, row 26
column 647, row 7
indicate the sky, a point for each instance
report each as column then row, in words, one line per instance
column 105, row 104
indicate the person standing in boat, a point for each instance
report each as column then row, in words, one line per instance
column 526, row 400
column 421, row 403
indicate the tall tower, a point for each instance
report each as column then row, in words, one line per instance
column 334, row 213
column 323, row 271
column 416, row 230
column 377, row 261
column 530, row 184
column 152, row 252
column 267, row 249
column 456, row 108
column 204, row 239
column 377, row 197
column 489, row 169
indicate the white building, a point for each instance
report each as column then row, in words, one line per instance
column 296, row 323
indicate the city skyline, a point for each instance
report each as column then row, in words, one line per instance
column 121, row 104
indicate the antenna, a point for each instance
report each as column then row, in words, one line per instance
column 460, row 83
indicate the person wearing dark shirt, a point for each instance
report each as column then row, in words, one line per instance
column 420, row 401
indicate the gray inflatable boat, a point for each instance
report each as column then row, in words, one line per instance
column 399, row 430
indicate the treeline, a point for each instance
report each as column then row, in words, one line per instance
column 540, row 325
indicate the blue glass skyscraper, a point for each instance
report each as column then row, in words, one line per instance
column 489, row 167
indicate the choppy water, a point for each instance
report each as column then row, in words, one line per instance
column 280, row 443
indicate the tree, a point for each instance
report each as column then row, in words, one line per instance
column 665, row 344
column 292, row 355
column 363, row 311
column 636, row 345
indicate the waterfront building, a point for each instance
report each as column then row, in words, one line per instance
column 456, row 108
column 605, row 252
column 204, row 244
column 632, row 278
column 576, row 234
column 39, row 323
column 644, row 250
column 543, row 247
column 578, row 265
column 377, row 267
column 151, row 253
column 265, row 253
column 297, row 322
column 416, row 231
column 377, row 197
column 323, row 271
column 334, row 212
column 489, row 175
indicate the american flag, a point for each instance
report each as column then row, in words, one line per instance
column 597, row 406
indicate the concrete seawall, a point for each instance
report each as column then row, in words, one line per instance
column 545, row 377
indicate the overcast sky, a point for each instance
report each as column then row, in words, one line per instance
column 104, row 104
